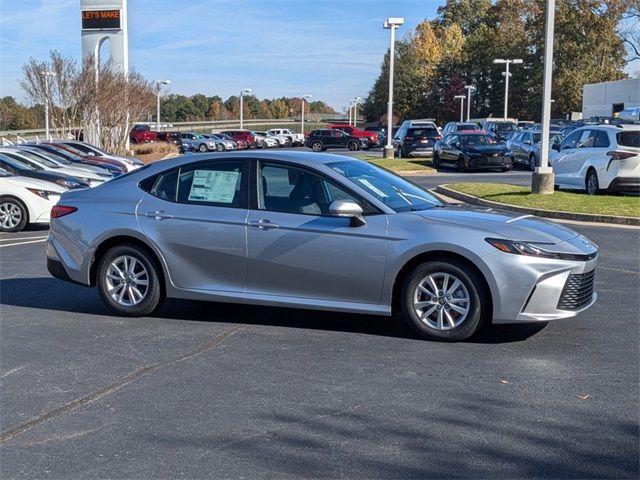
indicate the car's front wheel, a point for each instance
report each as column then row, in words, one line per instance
column 203, row 148
column 13, row 215
column 128, row 279
column 316, row 146
column 436, row 160
column 220, row 147
column 443, row 301
column 532, row 162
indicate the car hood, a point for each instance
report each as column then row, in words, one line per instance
column 500, row 223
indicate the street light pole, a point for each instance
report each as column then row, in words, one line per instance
column 356, row 100
column 461, row 98
column 46, row 102
column 507, row 74
column 304, row 97
column 543, row 180
column 158, row 84
column 350, row 102
column 469, row 89
column 242, row 92
column 392, row 24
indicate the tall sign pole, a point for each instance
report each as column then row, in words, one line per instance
column 542, row 180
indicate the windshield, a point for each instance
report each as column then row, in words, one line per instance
column 472, row 140
column 13, row 163
column 4, row 173
column 61, row 152
column 393, row 191
column 468, row 126
column 506, row 127
column 554, row 137
column 38, row 159
column 47, row 153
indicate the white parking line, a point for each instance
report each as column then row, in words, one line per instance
column 22, row 243
column 21, row 239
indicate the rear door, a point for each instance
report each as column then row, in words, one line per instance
column 196, row 217
column 563, row 160
column 297, row 249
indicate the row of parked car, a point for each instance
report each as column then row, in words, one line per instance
column 34, row 175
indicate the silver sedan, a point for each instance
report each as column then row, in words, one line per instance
column 318, row 231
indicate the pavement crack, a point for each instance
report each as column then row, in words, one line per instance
column 115, row 386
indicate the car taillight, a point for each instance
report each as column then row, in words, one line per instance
column 620, row 155
column 408, row 138
column 437, row 137
column 61, row 210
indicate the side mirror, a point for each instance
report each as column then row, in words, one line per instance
column 555, row 146
column 348, row 209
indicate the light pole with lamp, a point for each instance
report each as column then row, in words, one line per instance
column 392, row 23
column 506, row 74
column 462, row 99
column 356, row 101
column 469, row 89
column 350, row 104
column 159, row 84
column 242, row 93
column 304, row 97
column 542, row 180
column 46, row 102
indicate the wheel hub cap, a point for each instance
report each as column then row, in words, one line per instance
column 127, row 281
column 441, row 301
column 10, row 215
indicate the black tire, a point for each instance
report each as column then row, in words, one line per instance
column 461, row 166
column 591, row 184
column 153, row 295
column 13, row 207
column 476, row 294
column 532, row 162
column 203, row 148
column 317, row 146
column 400, row 153
column 220, row 147
column 436, row 160
column 353, row 146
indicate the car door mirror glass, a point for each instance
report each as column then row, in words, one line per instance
column 347, row 209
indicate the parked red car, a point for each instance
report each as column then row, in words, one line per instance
column 373, row 137
column 95, row 159
column 142, row 134
column 244, row 135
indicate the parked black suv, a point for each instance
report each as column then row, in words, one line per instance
column 319, row 140
column 415, row 139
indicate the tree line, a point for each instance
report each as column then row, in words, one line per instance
column 199, row 107
column 457, row 48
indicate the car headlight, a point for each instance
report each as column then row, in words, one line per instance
column 534, row 249
column 42, row 193
column 67, row 183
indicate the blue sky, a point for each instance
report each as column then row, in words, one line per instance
column 330, row 49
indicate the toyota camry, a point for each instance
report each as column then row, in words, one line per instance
column 319, row 231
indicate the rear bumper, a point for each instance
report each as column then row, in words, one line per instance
column 56, row 269
column 625, row 184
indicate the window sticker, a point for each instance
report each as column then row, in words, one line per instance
column 369, row 186
column 213, row 186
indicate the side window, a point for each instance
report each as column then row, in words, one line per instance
column 165, row 185
column 290, row 189
column 587, row 139
column 454, row 140
column 601, row 140
column 218, row 183
column 572, row 140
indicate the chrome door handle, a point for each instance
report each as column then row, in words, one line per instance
column 264, row 224
column 158, row 215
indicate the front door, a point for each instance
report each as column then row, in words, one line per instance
column 297, row 249
column 196, row 217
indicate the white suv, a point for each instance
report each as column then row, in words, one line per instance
column 599, row 158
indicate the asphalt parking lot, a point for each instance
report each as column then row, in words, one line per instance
column 216, row 390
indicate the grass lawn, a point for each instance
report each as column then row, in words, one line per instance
column 575, row 202
column 398, row 165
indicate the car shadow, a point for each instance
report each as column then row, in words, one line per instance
column 46, row 293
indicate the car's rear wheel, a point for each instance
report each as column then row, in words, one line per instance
column 13, row 215
column 443, row 301
column 461, row 166
column 591, row 183
column 316, row 146
column 352, row 146
column 129, row 281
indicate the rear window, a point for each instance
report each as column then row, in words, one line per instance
column 422, row 132
column 468, row 126
column 629, row 139
column 506, row 127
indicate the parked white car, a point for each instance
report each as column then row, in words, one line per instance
column 41, row 162
column 25, row 200
column 599, row 158
column 296, row 138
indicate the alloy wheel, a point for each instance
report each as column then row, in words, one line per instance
column 441, row 301
column 127, row 280
column 10, row 215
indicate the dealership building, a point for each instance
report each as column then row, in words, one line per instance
column 606, row 99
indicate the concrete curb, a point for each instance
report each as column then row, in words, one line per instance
column 416, row 173
column 579, row 217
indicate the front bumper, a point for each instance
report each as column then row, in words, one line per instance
column 530, row 289
column 490, row 162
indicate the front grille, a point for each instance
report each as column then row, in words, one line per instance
column 577, row 292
